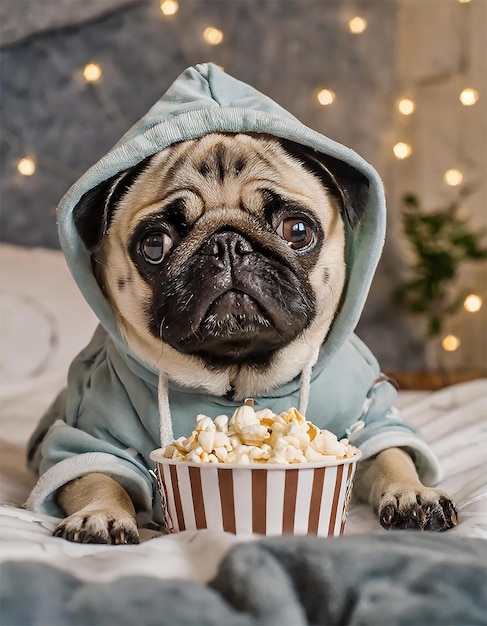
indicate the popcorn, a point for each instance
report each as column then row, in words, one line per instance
column 258, row 437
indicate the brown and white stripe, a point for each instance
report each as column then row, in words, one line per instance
column 267, row 500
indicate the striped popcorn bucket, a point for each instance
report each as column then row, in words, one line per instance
column 265, row 499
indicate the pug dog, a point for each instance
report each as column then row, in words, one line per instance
column 224, row 257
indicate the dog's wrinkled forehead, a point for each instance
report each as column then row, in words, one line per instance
column 218, row 171
column 221, row 171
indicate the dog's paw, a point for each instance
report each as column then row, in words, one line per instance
column 417, row 509
column 99, row 526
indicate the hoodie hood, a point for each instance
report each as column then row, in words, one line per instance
column 203, row 100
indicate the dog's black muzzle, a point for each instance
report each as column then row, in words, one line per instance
column 233, row 302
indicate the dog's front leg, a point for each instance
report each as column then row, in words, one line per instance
column 390, row 483
column 99, row 511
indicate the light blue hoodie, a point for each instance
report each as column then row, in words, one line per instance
column 107, row 419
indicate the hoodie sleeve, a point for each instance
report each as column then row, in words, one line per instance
column 381, row 426
column 92, row 426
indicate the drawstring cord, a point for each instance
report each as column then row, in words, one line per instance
column 305, row 383
column 165, row 422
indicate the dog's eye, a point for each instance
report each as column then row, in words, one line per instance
column 155, row 246
column 297, row 232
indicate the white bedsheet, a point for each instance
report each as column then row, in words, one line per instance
column 45, row 322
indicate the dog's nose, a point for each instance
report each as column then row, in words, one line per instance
column 227, row 245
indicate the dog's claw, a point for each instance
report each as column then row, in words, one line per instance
column 421, row 514
column 450, row 510
column 387, row 516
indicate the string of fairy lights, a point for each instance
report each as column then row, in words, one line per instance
column 93, row 73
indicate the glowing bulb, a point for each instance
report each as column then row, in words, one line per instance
column 402, row 150
column 450, row 343
column 468, row 97
column 453, row 178
column 92, row 73
column 213, row 36
column 26, row 166
column 406, row 106
column 326, row 96
column 357, row 25
column 473, row 303
column 169, row 7
column 463, row 1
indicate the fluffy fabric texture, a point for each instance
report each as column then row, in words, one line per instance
column 274, row 582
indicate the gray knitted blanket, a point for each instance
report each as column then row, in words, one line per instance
column 399, row 578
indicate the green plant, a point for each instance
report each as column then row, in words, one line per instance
column 441, row 241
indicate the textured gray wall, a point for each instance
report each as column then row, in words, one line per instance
column 287, row 49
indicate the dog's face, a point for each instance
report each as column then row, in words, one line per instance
column 223, row 257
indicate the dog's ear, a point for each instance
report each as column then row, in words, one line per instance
column 346, row 183
column 93, row 213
